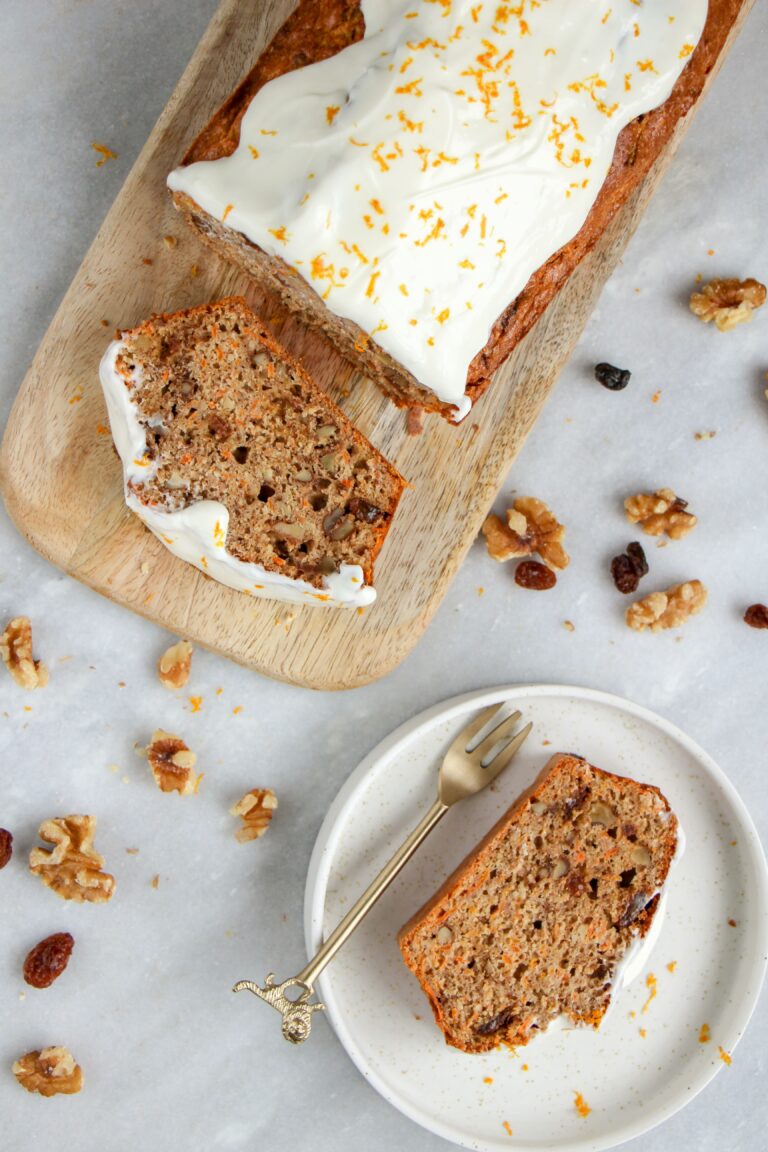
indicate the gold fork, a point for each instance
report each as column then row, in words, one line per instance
column 465, row 770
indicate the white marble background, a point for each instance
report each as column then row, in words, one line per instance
column 172, row 1061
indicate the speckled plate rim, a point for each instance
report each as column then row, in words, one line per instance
column 324, row 853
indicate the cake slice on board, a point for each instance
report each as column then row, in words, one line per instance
column 241, row 464
column 540, row 920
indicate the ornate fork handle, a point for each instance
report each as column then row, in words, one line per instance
column 297, row 1014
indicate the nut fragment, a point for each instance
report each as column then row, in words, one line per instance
column 640, row 856
column 629, row 568
column 49, row 1072
column 444, row 934
column 756, row 616
column 728, row 302
column 532, row 574
column 660, row 512
column 600, row 813
column 174, row 665
column 256, row 809
column 562, row 868
column 530, row 528
column 6, row 846
column 48, row 959
column 16, row 651
column 539, row 807
column 172, row 763
column 73, row 869
column 668, row 609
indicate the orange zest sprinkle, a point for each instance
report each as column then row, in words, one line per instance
column 581, row 1105
column 236, row 711
column 506, row 1127
column 704, row 1034
column 267, row 132
column 253, row 151
column 372, row 285
column 443, row 316
column 650, row 983
column 104, row 154
column 332, row 112
column 227, row 211
column 280, row 234
column 487, row 1079
column 724, row 1056
column 196, row 703
column 672, row 965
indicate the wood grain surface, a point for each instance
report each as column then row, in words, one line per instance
column 62, row 481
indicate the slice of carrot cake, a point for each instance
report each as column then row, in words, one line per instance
column 240, row 464
column 540, row 919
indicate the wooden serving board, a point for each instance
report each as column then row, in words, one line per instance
column 62, row 481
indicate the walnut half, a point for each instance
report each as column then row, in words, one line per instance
column 174, row 665
column 49, row 1072
column 668, row 609
column 16, row 651
column 73, row 869
column 172, row 764
column 728, row 302
column 530, row 528
column 256, row 809
column 660, row 512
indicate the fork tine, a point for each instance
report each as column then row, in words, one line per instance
column 500, row 761
column 505, row 728
column 466, row 736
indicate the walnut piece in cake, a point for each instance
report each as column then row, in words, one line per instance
column 172, row 764
column 728, row 302
column 670, row 609
column 49, row 1072
column 174, row 665
column 16, row 651
column 73, row 869
column 659, row 513
column 256, row 809
column 530, row 528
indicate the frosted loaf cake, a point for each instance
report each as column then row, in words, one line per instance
column 398, row 172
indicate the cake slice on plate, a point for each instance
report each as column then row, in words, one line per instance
column 240, row 463
column 539, row 920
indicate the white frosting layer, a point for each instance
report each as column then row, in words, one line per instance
column 417, row 179
column 198, row 533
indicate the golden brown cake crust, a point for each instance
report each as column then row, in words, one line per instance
column 317, row 29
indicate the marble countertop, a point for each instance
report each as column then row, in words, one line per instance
column 171, row 1059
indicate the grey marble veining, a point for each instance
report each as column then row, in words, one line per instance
column 173, row 1061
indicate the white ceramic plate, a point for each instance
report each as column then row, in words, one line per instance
column 642, row 1065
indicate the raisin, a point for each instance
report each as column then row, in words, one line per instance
column 217, row 427
column 48, row 959
column 6, row 847
column 612, row 378
column 636, row 905
column 628, row 568
column 756, row 616
column 363, row 510
column 496, row 1023
column 532, row 574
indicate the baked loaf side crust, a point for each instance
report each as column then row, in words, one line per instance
column 318, row 29
column 478, row 1002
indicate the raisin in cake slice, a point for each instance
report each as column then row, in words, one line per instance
column 537, row 920
column 240, row 463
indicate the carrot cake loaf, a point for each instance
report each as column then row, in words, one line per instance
column 542, row 919
column 240, row 463
column 398, row 171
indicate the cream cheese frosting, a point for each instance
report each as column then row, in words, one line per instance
column 419, row 177
column 197, row 533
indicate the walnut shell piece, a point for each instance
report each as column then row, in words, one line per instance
column 256, row 809
column 728, row 302
column 174, row 665
column 670, row 609
column 172, row 764
column 16, row 651
column 73, row 869
column 660, row 513
column 49, row 1072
